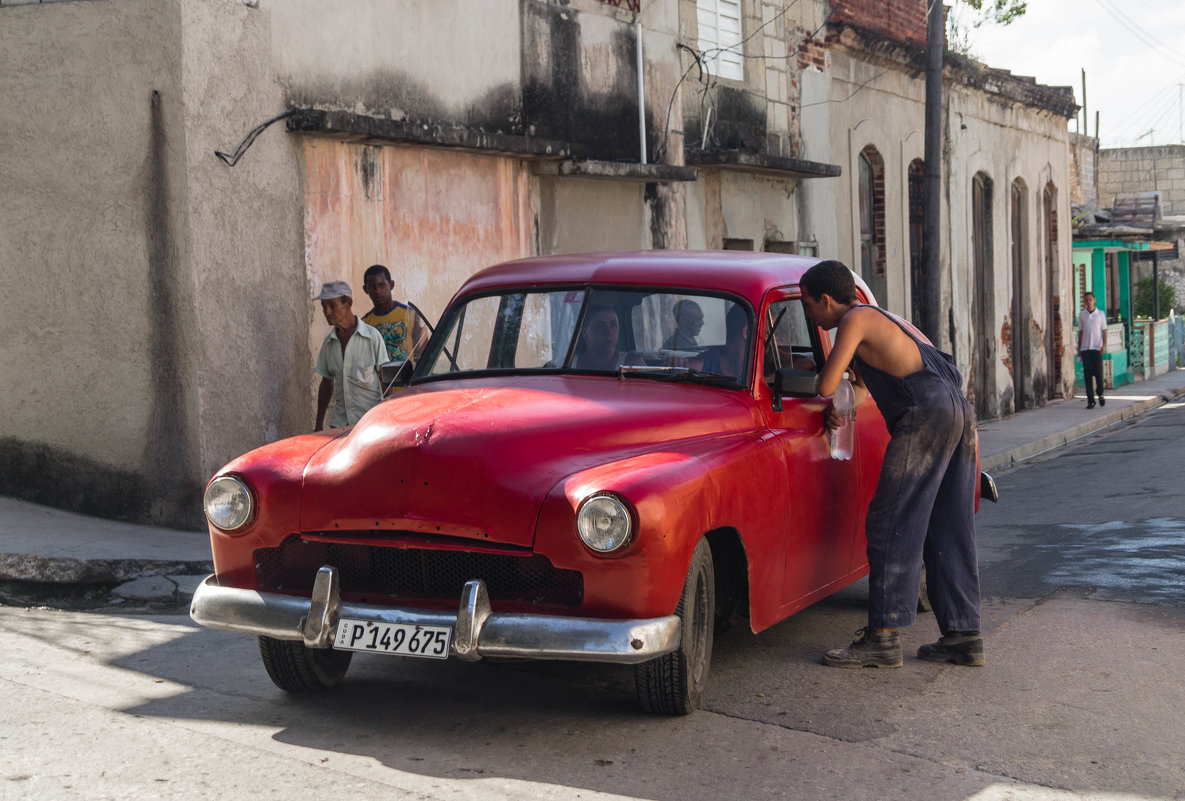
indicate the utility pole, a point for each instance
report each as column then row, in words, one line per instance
column 929, row 317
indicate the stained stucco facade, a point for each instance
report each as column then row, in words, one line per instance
column 1005, row 261
column 162, row 323
column 146, row 285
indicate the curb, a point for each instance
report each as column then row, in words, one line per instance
column 66, row 570
column 1001, row 461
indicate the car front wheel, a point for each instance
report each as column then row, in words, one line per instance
column 295, row 668
column 673, row 684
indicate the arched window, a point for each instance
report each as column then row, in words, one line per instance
column 1053, row 289
column 983, row 306
column 872, row 217
column 917, row 213
column 1018, row 345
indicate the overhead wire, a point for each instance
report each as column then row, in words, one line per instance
column 710, row 83
column 1140, row 121
column 1138, row 31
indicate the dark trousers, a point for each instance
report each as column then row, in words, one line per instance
column 1092, row 367
column 923, row 512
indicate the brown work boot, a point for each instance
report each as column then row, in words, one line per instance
column 871, row 650
column 956, row 647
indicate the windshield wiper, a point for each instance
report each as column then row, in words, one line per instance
column 681, row 374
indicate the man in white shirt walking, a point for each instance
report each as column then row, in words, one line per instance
column 1092, row 344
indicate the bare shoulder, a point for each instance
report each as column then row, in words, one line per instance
column 870, row 322
column 889, row 343
column 861, row 318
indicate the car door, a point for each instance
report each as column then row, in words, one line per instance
column 825, row 499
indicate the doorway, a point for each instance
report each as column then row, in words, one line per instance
column 983, row 306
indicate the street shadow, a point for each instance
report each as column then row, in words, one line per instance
column 773, row 723
column 563, row 723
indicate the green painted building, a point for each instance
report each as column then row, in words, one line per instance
column 1103, row 266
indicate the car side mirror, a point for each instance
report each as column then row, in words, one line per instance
column 396, row 373
column 789, row 382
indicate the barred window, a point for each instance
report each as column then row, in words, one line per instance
column 631, row 5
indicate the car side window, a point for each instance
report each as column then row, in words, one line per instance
column 791, row 343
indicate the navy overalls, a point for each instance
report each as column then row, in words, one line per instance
column 925, row 499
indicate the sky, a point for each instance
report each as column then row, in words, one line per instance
column 1133, row 52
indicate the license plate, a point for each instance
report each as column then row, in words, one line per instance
column 403, row 639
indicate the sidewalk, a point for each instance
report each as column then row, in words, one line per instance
column 51, row 546
column 1003, row 443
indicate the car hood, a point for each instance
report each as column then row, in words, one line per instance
column 476, row 458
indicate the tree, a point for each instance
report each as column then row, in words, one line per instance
column 1001, row 12
column 1143, row 299
column 967, row 16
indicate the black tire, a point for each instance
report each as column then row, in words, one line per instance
column 674, row 684
column 295, row 668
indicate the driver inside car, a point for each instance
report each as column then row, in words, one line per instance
column 598, row 342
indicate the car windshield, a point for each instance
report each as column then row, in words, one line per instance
column 664, row 334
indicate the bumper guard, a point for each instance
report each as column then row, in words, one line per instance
column 477, row 631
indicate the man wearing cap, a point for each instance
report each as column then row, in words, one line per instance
column 350, row 359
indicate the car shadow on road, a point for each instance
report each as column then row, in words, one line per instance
column 774, row 721
column 773, row 716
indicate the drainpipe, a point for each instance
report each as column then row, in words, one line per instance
column 931, row 314
column 641, row 92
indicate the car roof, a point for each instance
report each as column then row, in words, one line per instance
column 744, row 273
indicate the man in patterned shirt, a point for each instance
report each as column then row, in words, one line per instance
column 403, row 331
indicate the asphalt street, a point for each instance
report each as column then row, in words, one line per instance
column 1081, row 697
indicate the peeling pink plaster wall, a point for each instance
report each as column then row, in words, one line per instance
column 433, row 216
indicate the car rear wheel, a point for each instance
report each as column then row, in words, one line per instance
column 295, row 668
column 673, row 684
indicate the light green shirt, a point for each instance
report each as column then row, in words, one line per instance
column 357, row 384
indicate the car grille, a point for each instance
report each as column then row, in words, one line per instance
column 372, row 572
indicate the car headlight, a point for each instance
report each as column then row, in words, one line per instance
column 228, row 503
column 604, row 523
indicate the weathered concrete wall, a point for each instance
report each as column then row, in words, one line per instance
column 249, row 293
column 879, row 105
column 587, row 215
column 148, row 276
column 564, row 71
column 758, row 208
column 1128, row 171
column 755, row 113
column 818, row 198
column 441, row 60
column 94, row 302
column 1011, row 143
column 877, row 102
column 1084, row 157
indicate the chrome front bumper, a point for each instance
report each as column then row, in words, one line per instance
column 477, row 631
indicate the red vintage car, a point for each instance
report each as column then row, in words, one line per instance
column 599, row 457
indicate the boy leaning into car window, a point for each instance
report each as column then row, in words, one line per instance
column 350, row 360
column 922, row 510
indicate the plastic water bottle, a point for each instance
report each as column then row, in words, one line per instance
column 843, row 438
